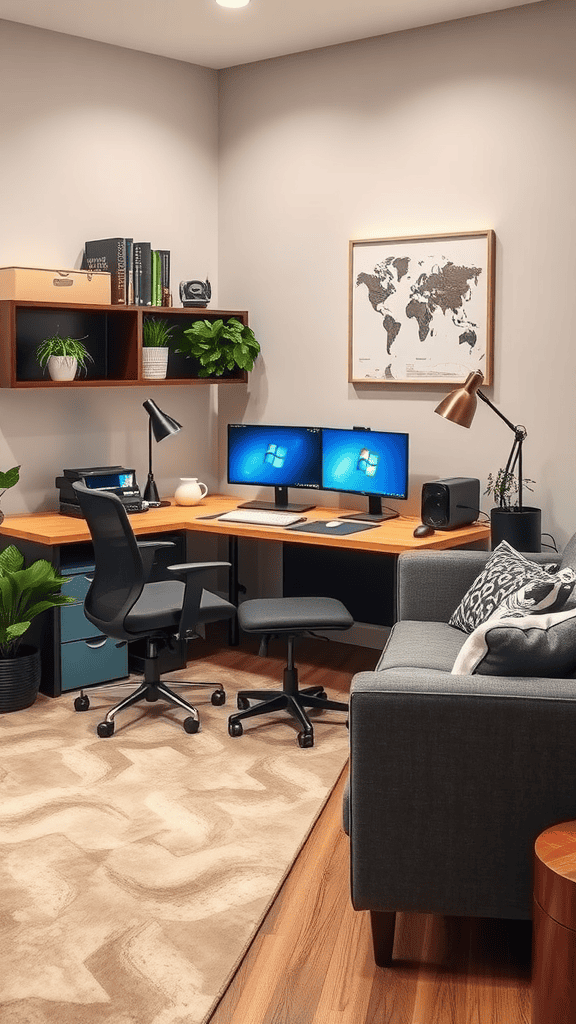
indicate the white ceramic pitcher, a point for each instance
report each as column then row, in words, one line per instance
column 190, row 491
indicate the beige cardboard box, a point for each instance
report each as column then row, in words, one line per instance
column 37, row 285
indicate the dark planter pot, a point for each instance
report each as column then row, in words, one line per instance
column 522, row 529
column 19, row 679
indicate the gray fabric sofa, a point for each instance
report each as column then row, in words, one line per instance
column 451, row 777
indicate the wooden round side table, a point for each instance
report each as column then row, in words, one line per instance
column 554, row 930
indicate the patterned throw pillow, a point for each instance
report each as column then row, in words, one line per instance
column 505, row 572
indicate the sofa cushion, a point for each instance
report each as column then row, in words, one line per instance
column 539, row 644
column 506, row 572
column 427, row 645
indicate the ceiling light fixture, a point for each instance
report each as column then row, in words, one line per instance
column 233, row 3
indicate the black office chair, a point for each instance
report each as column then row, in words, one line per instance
column 124, row 606
column 289, row 617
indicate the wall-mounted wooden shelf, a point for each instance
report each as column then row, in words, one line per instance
column 112, row 335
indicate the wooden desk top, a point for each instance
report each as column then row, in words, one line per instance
column 392, row 536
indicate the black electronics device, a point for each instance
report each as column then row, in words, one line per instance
column 117, row 479
column 448, row 504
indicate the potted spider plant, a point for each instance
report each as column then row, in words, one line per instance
column 219, row 346
column 156, row 339
column 25, row 592
column 511, row 519
column 63, row 356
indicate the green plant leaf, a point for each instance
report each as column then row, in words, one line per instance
column 10, row 478
column 11, row 559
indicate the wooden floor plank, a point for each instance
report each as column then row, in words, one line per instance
column 311, row 961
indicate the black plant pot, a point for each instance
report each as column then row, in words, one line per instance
column 521, row 528
column 19, row 679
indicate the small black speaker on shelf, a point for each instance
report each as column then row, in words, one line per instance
column 447, row 504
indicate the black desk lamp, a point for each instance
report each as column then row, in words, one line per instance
column 459, row 407
column 163, row 426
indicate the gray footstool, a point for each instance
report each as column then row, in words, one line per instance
column 289, row 617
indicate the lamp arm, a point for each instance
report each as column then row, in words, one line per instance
column 497, row 411
column 516, row 453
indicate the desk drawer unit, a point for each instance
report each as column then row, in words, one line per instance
column 86, row 657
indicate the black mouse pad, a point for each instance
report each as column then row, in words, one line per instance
column 319, row 526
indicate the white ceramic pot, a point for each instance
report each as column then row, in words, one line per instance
column 62, row 367
column 190, row 491
column 155, row 362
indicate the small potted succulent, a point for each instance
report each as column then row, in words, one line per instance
column 24, row 594
column 220, row 346
column 63, row 356
column 156, row 339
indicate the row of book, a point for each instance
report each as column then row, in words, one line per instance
column 140, row 275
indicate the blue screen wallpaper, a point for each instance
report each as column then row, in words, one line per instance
column 274, row 456
column 365, row 462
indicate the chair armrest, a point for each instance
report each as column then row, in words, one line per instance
column 192, row 572
column 451, row 780
column 431, row 584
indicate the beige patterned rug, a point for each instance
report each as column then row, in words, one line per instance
column 135, row 870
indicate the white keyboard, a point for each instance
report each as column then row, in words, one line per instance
column 260, row 517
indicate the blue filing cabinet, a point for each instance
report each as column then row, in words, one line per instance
column 86, row 657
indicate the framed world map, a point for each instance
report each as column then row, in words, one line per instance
column 421, row 309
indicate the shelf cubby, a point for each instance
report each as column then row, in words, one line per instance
column 112, row 335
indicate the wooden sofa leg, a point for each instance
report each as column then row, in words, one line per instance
column 383, row 922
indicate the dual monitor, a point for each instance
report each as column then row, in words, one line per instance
column 357, row 461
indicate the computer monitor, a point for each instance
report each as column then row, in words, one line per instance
column 278, row 457
column 370, row 462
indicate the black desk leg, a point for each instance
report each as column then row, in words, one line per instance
column 233, row 590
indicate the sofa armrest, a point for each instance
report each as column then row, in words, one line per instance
column 431, row 584
column 451, row 780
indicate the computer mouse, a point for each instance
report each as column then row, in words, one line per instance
column 423, row 530
column 333, row 522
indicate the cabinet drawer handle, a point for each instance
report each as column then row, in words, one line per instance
column 94, row 644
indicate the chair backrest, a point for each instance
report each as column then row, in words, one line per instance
column 119, row 576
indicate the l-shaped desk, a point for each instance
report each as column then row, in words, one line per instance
column 54, row 536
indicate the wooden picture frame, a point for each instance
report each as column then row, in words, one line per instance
column 421, row 309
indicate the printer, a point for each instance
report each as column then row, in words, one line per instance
column 116, row 479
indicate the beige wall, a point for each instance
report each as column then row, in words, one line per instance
column 101, row 141
column 462, row 126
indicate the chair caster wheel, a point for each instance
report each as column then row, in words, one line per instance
column 81, row 703
column 235, row 728
column 306, row 739
column 218, row 697
column 191, row 724
column 242, row 703
column 105, row 728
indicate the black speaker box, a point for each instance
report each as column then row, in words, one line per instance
column 447, row 504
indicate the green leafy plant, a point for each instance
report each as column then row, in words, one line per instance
column 9, row 478
column 504, row 487
column 156, row 333
column 57, row 346
column 24, row 593
column 219, row 345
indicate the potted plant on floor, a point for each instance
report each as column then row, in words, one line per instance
column 24, row 594
column 156, row 339
column 63, row 356
column 510, row 519
column 220, row 346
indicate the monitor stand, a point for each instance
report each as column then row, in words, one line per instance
column 375, row 513
column 280, row 503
